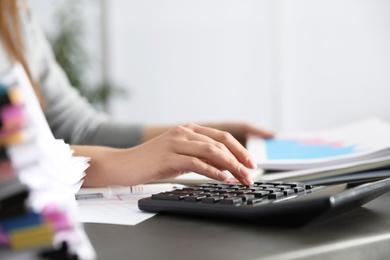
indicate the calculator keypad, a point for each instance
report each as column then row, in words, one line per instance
column 234, row 194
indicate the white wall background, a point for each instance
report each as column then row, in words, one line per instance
column 191, row 60
column 285, row 64
column 335, row 62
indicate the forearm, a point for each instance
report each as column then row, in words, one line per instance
column 151, row 132
column 107, row 166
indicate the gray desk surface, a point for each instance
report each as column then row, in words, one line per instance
column 362, row 233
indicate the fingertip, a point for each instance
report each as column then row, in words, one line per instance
column 233, row 180
column 246, row 181
column 265, row 133
column 249, row 181
column 222, row 176
column 251, row 162
column 245, row 174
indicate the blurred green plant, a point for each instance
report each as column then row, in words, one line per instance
column 72, row 57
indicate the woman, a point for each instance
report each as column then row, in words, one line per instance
column 148, row 152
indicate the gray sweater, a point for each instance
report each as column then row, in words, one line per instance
column 69, row 115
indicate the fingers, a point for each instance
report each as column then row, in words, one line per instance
column 215, row 156
column 252, row 130
column 196, row 165
column 229, row 141
column 215, row 149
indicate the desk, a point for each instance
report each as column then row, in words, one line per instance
column 363, row 233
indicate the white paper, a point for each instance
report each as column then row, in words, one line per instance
column 370, row 137
column 120, row 210
column 327, row 171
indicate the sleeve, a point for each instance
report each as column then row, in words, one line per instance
column 69, row 115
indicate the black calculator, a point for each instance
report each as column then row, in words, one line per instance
column 284, row 202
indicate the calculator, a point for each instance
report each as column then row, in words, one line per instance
column 276, row 202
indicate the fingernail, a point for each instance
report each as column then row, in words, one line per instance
column 252, row 162
column 222, row 176
column 244, row 171
column 249, row 181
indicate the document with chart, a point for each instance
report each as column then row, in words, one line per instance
column 357, row 146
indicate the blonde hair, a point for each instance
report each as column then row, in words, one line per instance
column 10, row 34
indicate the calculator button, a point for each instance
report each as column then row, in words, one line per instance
column 288, row 192
column 294, row 184
column 276, row 183
column 167, row 196
column 209, row 189
column 231, row 200
column 220, row 186
column 255, row 201
column 246, row 190
column 205, row 185
column 299, row 189
column 255, row 188
column 272, row 190
column 283, row 187
column 275, row 195
column 234, row 186
column 211, row 199
column 226, row 195
column 237, row 192
column 183, row 192
column 226, row 190
column 194, row 198
column 192, row 188
column 266, row 186
column 256, row 183
column 246, row 197
column 259, row 194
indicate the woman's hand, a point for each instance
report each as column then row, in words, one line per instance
column 182, row 149
column 241, row 130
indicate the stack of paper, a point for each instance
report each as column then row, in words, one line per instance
column 354, row 147
column 39, row 177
